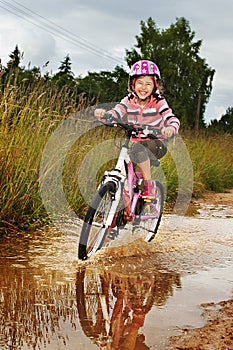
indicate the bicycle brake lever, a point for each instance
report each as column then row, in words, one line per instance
column 109, row 120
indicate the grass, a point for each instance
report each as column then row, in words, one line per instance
column 28, row 119
column 212, row 160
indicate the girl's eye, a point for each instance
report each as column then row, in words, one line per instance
column 144, row 84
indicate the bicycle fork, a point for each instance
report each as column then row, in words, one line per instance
column 113, row 209
column 117, row 176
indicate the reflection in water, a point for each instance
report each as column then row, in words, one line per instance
column 45, row 303
column 114, row 303
column 32, row 311
column 112, row 307
column 36, row 298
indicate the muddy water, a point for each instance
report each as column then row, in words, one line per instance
column 129, row 297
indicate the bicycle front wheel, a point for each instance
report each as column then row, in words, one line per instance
column 91, row 293
column 149, row 215
column 97, row 223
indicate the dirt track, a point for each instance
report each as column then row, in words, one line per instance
column 217, row 333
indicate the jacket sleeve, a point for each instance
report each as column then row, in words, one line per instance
column 120, row 109
column 168, row 117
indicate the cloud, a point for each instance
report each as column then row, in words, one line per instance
column 111, row 27
column 37, row 46
column 220, row 111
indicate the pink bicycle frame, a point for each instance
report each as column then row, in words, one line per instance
column 131, row 197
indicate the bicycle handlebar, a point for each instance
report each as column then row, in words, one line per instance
column 132, row 129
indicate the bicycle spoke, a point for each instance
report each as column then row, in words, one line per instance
column 95, row 228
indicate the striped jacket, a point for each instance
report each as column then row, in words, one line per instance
column 156, row 113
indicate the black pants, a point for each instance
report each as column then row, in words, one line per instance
column 152, row 149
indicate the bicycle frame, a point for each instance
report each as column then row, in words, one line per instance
column 119, row 176
column 134, row 196
column 107, row 214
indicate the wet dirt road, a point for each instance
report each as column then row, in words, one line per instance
column 129, row 297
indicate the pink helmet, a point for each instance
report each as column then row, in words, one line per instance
column 144, row 67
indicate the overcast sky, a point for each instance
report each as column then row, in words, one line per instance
column 96, row 33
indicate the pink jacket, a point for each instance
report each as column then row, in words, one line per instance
column 156, row 113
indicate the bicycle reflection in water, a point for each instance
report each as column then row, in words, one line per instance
column 112, row 307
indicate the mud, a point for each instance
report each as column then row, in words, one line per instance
column 175, row 293
column 204, row 243
column 217, row 333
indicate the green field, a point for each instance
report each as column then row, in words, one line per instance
column 28, row 123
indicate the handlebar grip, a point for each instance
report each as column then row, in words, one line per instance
column 108, row 119
column 107, row 116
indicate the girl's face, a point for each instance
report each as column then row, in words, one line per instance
column 144, row 86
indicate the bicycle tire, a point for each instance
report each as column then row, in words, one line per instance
column 89, row 304
column 148, row 228
column 93, row 231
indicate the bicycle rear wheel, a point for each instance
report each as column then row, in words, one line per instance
column 149, row 215
column 94, row 230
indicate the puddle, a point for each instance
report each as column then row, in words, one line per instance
column 50, row 301
column 183, row 310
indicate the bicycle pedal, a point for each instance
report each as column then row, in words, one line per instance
column 113, row 234
column 152, row 200
column 147, row 200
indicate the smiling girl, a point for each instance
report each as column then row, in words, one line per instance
column 145, row 106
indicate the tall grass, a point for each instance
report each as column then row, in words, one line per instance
column 212, row 160
column 27, row 119
column 210, row 165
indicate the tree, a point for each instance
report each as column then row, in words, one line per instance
column 15, row 58
column 186, row 77
column 105, row 86
column 65, row 67
column 10, row 73
column 225, row 124
column 65, row 76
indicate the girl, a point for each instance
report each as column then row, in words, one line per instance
column 145, row 106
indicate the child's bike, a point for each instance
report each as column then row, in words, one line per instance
column 118, row 200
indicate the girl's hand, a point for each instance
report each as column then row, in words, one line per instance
column 168, row 131
column 99, row 113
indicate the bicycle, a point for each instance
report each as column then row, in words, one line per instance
column 109, row 300
column 109, row 304
column 118, row 199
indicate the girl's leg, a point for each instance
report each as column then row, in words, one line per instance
column 149, row 185
column 145, row 169
column 139, row 155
